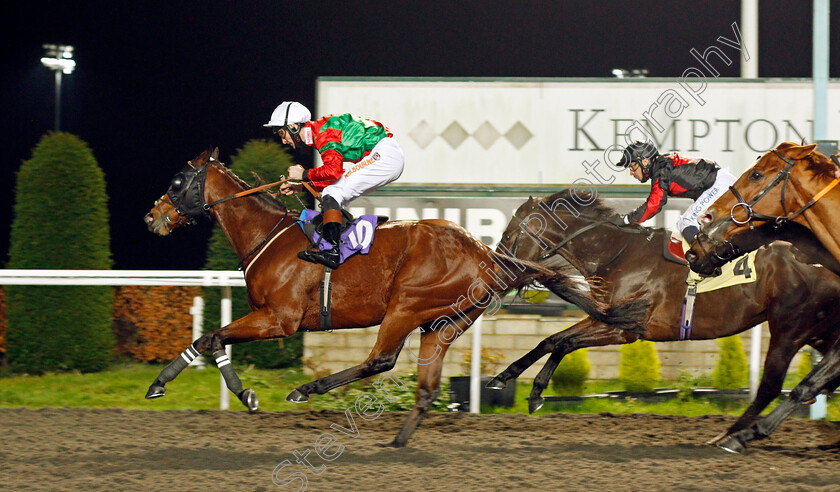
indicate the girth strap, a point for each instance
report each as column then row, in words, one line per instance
column 687, row 316
column 326, row 296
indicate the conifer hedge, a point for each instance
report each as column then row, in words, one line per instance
column 60, row 221
column 732, row 369
column 268, row 160
column 639, row 366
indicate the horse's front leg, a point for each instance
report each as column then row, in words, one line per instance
column 258, row 325
column 594, row 334
column 547, row 346
column 823, row 375
column 779, row 355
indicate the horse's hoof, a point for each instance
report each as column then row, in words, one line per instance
column 535, row 404
column 156, row 390
column 392, row 444
column 249, row 399
column 731, row 444
column 496, row 384
column 297, row 397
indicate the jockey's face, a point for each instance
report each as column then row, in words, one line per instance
column 636, row 169
column 284, row 135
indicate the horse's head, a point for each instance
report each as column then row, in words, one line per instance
column 760, row 195
column 184, row 202
column 540, row 227
column 512, row 238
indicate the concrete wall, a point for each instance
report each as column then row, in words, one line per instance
column 512, row 336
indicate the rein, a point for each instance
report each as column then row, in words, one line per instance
column 778, row 220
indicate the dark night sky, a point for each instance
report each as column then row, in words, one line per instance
column 157, row 82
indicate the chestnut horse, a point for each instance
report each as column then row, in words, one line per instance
column 797, row 299
column 789, row 183
column 430, row 274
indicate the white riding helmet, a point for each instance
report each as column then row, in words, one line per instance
column 289, row 112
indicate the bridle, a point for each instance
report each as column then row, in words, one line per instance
column 554, row 249
column 783, row 177
column 724, row 250
column 186, row 196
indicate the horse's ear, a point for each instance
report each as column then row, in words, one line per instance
column 201, row 159
column 801, row 151
column 215, row 155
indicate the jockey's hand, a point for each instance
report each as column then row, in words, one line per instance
column 296, row 172
column 290, row 189
column 617, row 220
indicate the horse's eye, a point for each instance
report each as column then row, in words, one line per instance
column 177, row 183
column 756, row 176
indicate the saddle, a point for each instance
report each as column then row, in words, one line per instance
column 356, row 237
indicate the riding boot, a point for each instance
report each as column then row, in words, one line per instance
column 332, row 234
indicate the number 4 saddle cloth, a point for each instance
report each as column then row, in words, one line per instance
column 741, row 270
column 356, row 235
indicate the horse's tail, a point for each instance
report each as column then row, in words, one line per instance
column 626, row 314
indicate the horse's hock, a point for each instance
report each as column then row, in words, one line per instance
column 511, row 336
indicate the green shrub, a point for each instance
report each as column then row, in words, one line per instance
column 638, row 370
column 572, row 373
column 61, row 222
column 731, row 371
column 806, row 363
column 268, row 160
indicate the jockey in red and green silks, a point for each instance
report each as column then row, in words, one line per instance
column 368, row 145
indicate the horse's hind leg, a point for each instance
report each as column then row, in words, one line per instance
column 258, row 325
column 382, row 358
column 433, row 347
column 824, row 375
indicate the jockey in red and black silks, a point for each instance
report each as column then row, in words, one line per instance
column 674, row 175
column 376, row 157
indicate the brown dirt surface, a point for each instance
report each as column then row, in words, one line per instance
column 96, row 449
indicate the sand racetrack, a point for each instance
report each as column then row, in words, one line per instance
column 95, row 449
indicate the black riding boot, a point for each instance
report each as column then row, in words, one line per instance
column 330, row 257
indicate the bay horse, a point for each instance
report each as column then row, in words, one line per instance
column 789, row 183
column 430, row 274
column 796, row 298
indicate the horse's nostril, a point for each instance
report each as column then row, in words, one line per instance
column 148, row 219
column 706, row 218
column 691, row 256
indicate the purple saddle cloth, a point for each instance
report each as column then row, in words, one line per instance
column 356, row 238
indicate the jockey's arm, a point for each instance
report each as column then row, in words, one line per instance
column 654, row 203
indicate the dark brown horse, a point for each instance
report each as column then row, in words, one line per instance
column 789, row 183
column 430, row 274
column 797, row 299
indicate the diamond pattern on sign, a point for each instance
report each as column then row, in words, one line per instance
column 486, row 135
column 518, row 135
column 423, row 134
column 454, row 135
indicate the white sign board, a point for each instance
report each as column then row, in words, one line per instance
column 558, row 131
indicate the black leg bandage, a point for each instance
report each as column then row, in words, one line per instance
column 175, row 367
column 233, row 382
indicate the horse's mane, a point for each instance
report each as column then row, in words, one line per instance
column 599, row 209
column 264, row 196
column 817, row 164
column 820, row 165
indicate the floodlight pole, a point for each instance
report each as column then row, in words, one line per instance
column 57, row 100
column 59, row 59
